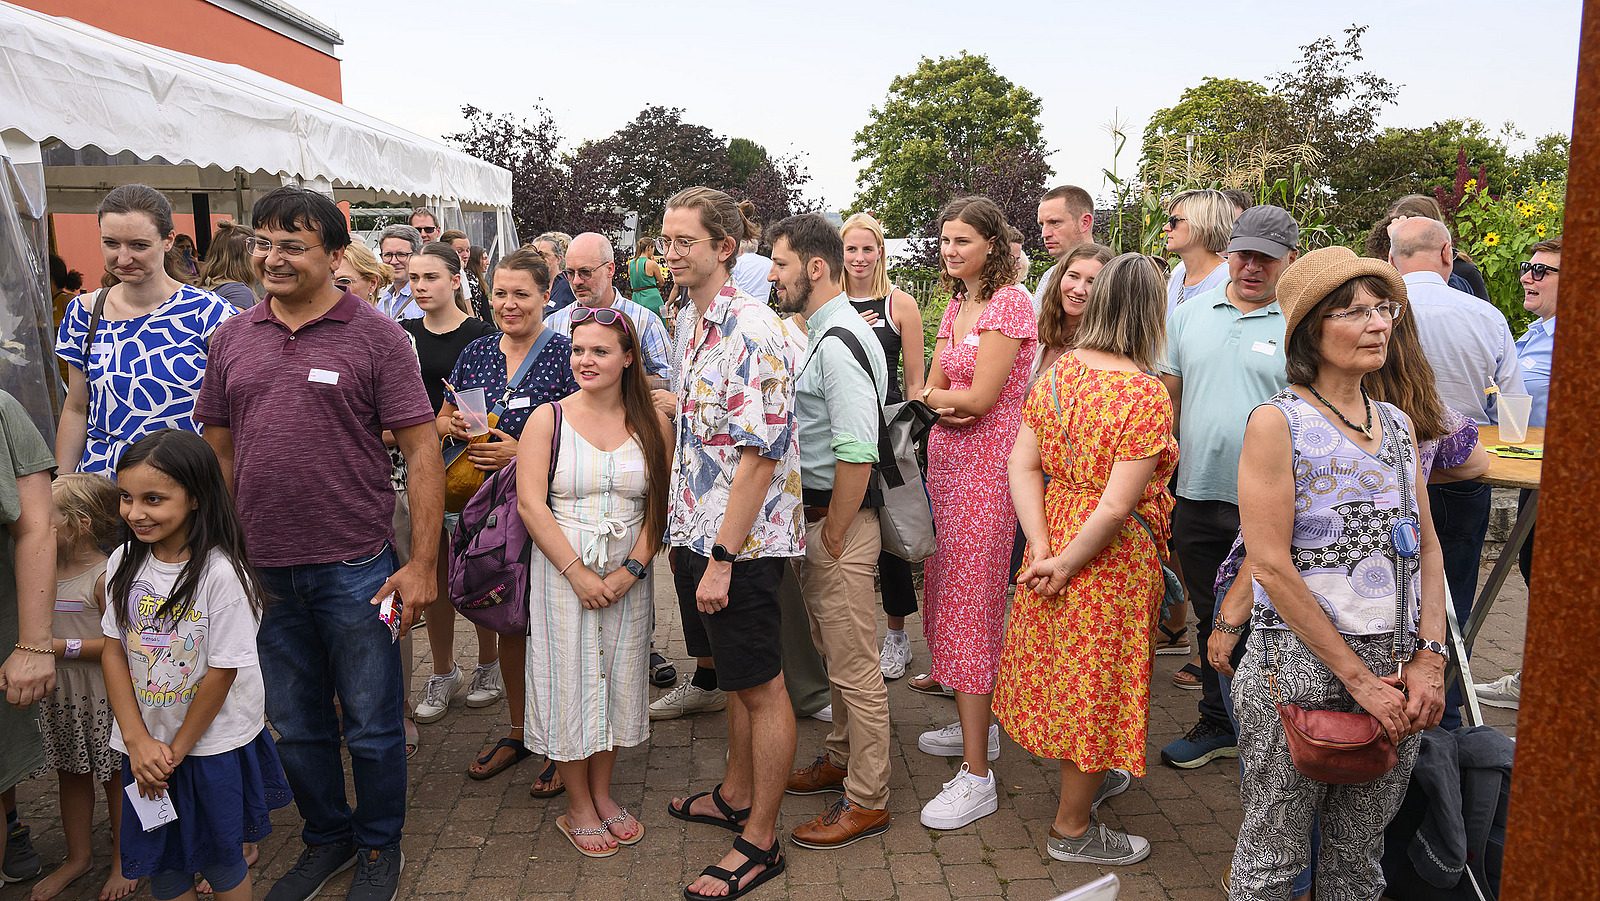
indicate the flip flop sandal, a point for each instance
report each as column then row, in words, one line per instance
column 934, row 689
column 1172, row 642
column 548, row 774
column 1187, row 677
column 572, row 836
column 730, row 820
column 619, row 818
column 771, row 858
column 519, row 752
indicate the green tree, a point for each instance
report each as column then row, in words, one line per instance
column 1215, row 125
column 746, row 158
column 651, row 158
column 945, row 120
column 1400, row 161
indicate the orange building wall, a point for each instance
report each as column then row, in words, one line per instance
column 200, row 29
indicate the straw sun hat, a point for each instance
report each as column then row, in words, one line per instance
column 1317, row 274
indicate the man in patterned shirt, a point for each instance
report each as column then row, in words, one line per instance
column 734, row 521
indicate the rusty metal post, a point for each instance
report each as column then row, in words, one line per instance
column 1553, row 837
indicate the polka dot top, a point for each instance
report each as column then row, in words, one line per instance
column 483, row 365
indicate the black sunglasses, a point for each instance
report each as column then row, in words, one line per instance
column 1172, row 221
column 1539, row 270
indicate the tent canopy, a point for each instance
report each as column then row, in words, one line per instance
column 83, row 86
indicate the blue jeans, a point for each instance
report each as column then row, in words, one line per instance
column 321, row 637
column 1461, row 519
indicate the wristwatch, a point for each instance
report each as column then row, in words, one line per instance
column 634, row 568
column 720, row 554
column 1434, row 646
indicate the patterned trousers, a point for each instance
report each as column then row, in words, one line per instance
column 1279, row 803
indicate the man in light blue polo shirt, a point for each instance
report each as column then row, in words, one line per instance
column 1224, row 358
column 838, row 404
column 591, row 265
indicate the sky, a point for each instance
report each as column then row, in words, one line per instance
column 804, row 77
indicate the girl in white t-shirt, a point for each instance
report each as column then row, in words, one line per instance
column 182, row 675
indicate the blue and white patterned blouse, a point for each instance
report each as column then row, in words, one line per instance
column 142, row 374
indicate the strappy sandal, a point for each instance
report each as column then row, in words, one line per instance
column 619, row 818
column 771, row 858
column 1173, row 642
column 925, row 684
column 519, row 753
column 547, row 775
column 1187, row 677
column 731, row 820
column 572, row 834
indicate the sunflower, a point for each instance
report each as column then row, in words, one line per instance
column 1491, row 239
column 1539, row 229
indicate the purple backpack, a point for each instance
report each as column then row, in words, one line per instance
column 490, row 552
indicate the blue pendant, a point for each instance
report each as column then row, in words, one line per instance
column 1407, row 537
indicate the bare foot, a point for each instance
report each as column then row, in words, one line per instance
column 118, row 886
column 52, row 885
column 712, row 887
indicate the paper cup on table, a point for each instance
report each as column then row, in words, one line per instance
column 475, row 410
column 1514, row 411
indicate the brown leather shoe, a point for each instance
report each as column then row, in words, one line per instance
column 843, row 824
column 821, row 776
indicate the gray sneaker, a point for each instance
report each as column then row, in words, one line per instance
column 1099, row 845
column 22, row 861
column 317, row 865
column 1115, row 783
column 436, row 694
column 1504, row 692
column 377, row 875
column 487, row 687
column 688, row 699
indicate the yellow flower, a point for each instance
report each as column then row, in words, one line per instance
column 1491, row 239
column 1539, row 229
column 1528, row 211
column 1544, row 196
column 1471, row 183
column 1552, row 207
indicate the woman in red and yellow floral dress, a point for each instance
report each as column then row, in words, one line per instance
column 1074, row 680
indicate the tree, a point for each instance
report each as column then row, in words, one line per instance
column 745, row 157
column 775, row 189
column 546, row 193
column 1400, row 161
column 1223, row 120
column 942, row 121
column 1012, row 176
column 653, row 157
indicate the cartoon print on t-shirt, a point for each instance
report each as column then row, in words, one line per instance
column 163, row 655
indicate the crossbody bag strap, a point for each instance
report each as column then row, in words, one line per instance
column 522, row 371
column 886, row 463
column 1402, row 563
column 94, row 321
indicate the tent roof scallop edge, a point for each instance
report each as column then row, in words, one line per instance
column 83, row 86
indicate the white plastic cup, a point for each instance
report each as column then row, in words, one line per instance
column 474, row 409
column 1514, row 411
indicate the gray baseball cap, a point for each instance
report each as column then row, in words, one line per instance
column 1265, row 229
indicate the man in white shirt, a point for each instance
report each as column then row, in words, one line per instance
column 396, row 245
column 591, row 266
column 1066, row 219
column 751, row 269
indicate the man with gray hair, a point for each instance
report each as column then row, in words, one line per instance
column 590, row 266
column 1468, row 343
column 396, row 245
column 553, row 247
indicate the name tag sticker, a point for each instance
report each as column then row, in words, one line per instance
column 1529, row 363
column 520, row 403
column 65, row 606
column 1264, row 347
column 1387, row 499
column 156, row 639
column 631, row 466
column 103, row 347
column 971, row 339
column 323, row 376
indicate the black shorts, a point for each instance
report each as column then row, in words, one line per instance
column 742, row 637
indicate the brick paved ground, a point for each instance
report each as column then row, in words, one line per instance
column 490, row 840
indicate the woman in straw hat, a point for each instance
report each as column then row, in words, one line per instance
column 1349, row 582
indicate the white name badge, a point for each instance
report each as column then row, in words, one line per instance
column 1529, row 363
column 1264, row 347
column 520, row 403
column 156, row 639
column 103, row 347
column 631, row 466
column 66, row 606
column 971, row 339
column 323, row 376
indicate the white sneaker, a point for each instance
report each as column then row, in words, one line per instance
column 894, row 656
column 964, row 799
column 946, row 742
column 436, row 695
column 1504, row 692
column 686, row 699
column 825, row 714
column 487, row 686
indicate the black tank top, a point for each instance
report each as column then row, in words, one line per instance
column 889, row 337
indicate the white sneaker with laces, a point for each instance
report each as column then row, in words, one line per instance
column 964, row 799
column 436, row 694
column 487, row 687
column 894, row 656
column 687, row 699
column 1504, row 692
column 825, row 714
column 946, row 742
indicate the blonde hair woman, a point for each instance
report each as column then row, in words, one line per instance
column 1198, row 227
column 362, row 273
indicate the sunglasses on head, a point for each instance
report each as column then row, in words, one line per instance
column 1539, row 270
column 602, row 315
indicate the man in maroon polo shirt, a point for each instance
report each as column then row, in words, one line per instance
column 295, row 401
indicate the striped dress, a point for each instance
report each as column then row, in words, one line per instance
column 588, row 688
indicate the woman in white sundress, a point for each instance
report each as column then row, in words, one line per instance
column 597, row 516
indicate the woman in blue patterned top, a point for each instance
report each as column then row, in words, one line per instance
column 141, row 369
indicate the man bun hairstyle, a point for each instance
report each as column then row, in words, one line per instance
column 292, row 208
column 719, row 216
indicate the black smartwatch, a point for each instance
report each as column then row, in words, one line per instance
column 720, row 554
column 634, row 568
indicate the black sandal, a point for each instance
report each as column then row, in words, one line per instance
column 662, row 673
column 731, row 820
column 771, row 858
column 1169, row 643
column 519, row 753
column 548, row 774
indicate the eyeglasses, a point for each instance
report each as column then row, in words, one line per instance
column 1538, row 270
column 343, row 282
column 395, row 256
column 684, row 245
column 602, row 315
column 1390, row 311
column 290, row 250
column 1172, row 221
column 582, row 275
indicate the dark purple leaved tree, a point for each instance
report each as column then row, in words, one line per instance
column 1013, row 176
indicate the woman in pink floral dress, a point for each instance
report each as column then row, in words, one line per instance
column 979, row 381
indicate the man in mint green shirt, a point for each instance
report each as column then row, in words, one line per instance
column 838, row 406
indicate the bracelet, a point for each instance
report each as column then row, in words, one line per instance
column 1221, row 625
column 563, row 570
column 31, row 649
column 74, row 648
column 925, row 392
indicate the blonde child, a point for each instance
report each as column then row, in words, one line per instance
column 75, row 721
column 182, row 676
